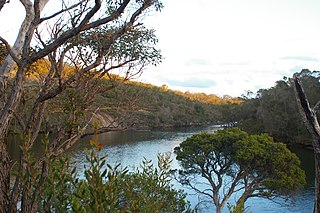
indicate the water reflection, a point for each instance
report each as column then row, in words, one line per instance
column 130, row 147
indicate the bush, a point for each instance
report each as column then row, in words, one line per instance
column 105, row 188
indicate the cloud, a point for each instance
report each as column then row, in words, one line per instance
column 197, row 61
column 230, row 82
column 300, row 58
column 195, row 83
column 243, row 63
column 296, row 69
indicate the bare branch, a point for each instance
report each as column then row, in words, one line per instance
column 232, row 189
column 102, row 130
column 53, row 93
column 61, row 11
column 73, row 139
column 20, row 120
column 104, row 72
column 129, row 75
column 315, row 108
column 189, row 184
column 308, row 115
column 14, row 57
column 108, row 19
column 144, row 6
column 2, row 3
column 82, row 27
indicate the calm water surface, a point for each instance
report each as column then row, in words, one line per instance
column 130, row 147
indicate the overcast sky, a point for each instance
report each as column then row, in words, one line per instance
column 229, row 46
column 225, row 46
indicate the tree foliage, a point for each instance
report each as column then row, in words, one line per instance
column 252, row 165
column 106, row 188
column 153, row 107
column 274, row 111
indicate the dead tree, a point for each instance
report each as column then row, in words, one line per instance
column 309, row 117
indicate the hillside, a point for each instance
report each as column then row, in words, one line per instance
column 134, row 105
column 115, row 102
column 148, row 106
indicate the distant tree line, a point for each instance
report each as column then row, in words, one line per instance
column 153, row 107
column 274, row 110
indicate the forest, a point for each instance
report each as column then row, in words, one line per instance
column 274, row 110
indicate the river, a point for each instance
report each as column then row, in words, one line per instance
column 130, row 147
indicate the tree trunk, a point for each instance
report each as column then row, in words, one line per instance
column 5, row 118
column 317, row 182
column 216, row 202
column 310, row 120
column 4, row 178
column 8, row 64
column 218, row 209
column 12, row 103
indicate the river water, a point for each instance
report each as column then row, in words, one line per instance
column 130, row 147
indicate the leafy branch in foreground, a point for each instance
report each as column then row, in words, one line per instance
column 104, row 188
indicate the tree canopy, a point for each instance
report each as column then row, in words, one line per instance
column 252, row 165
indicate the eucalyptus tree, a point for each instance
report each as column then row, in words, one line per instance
column 80, row 42
column 233, row 162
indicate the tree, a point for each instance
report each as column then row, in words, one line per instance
column 86, row 40
column 309, row 117
column 233, row 161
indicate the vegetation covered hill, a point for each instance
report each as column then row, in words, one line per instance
column 136, row 105
column 119, row 103
column 148, row 106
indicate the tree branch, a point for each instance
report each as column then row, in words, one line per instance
column 308, row 115
column 188, row 183
column 2, row 3
column 316, row 107
column 11, row 53
column 102, row 130
column 60, row 12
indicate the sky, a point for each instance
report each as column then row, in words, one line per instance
column 224, row 47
